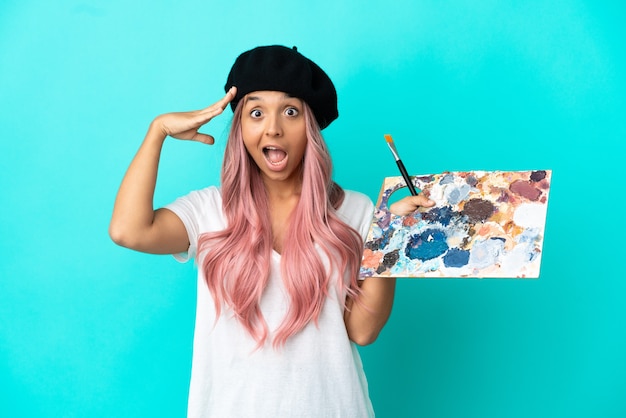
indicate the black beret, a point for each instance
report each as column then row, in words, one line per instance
column 278, row 68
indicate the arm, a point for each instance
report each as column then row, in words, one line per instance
column 366, row 317
column 135, row 224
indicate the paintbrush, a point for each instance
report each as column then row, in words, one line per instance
column 394, row 151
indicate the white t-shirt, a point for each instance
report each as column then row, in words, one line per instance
column 317, row 374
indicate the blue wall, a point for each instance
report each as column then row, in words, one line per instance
column 88, row 329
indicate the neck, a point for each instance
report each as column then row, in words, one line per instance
column 282, row 192
column 283, row 189
column 283, row 198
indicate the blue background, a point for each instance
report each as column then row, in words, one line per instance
column 88, row 329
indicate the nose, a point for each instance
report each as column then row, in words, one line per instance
column 273, row 127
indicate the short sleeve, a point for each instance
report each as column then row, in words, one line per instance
column 357, row 211
column 200, row 211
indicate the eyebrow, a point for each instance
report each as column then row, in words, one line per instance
column 258, row 98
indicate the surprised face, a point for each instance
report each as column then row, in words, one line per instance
column 273, row 127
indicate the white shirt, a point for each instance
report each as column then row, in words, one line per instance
column 318, row 373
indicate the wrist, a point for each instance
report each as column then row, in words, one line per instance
column 156, row 132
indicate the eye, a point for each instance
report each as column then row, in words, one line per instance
column 291, row 111
column 256, row 113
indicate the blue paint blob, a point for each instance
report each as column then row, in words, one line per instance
column 455, row 257
column 459, row 193
column 428, row 245
column 486, row 253
column 381, row 242
column 455, row 196
column 447, row 179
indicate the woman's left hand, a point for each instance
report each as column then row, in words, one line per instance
column 409, row 204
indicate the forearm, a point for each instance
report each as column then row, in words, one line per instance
column 133, row 211
column 366, row 317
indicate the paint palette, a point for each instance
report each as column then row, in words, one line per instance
column 483, row 224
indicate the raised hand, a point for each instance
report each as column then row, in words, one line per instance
column 185, row 125
column 135, row 224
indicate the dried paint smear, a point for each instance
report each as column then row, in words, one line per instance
column 484, row 224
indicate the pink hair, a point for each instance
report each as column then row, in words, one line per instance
column 237, row 260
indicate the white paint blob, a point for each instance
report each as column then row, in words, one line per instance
column 530, row 215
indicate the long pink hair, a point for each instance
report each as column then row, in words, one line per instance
column 237, row 260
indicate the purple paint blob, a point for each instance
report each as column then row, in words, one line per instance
column 428, row 245
column 424, row 179
column 478, row 210
column 390, row 259
column 536, row 176
column 383, row 219
column 525, row 189
column 471, row 180
column 504, row 196
column 443, row 215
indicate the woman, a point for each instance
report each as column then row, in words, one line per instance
column 278, row 248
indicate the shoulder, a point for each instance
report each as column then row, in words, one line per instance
column 206, row 197
column 356, row 201
column 200, row 211
column 356, row 210
column 211, row 192
column 198, row 203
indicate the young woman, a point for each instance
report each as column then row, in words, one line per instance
column 278, row 247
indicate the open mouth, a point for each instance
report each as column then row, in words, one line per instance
column 274, row 156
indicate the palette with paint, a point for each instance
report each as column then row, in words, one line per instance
column 483, row 224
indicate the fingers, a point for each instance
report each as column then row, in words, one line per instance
column 204, row 138
column 185, row 125
column 229, row 96
column 410, row 204
column 203, row 116
column 219, row 106
column 421, row 200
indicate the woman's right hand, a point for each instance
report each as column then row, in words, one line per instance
column 185, row 125
column 135, row 224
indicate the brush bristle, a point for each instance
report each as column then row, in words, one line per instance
column 388, row 138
